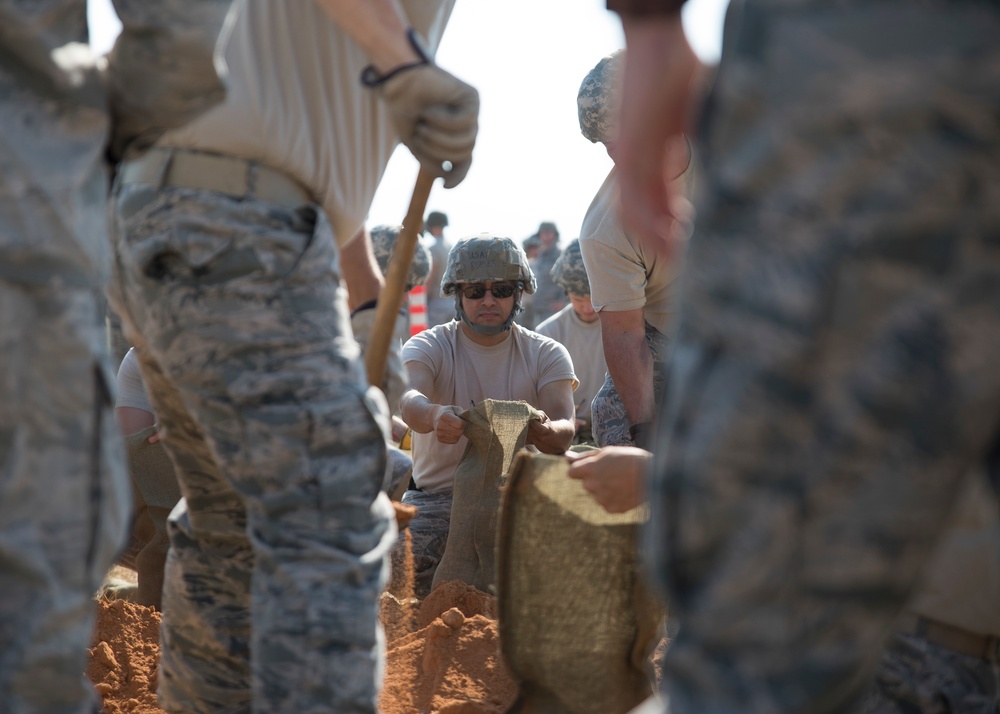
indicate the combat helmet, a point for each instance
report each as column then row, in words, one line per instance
column 384, row 241
column 569, row 272
column 599, row 98
column 487, row 258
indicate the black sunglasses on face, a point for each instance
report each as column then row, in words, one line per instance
column 478, row 292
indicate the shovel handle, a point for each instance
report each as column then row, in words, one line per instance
column 391, row 297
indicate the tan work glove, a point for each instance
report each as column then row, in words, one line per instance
column 436, row 115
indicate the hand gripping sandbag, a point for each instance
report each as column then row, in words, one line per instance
column 577, row 624
column 496, row 431
column 157, row 493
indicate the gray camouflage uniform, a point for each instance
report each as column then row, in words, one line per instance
column 610, row 420
column 64, row 492
column 921, row 677
column 233, row 290
column 835, row 366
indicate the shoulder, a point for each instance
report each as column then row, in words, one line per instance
column 538, row 344
column 554, row 326
column 431, row 342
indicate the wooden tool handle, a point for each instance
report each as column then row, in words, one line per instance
column 391, row 297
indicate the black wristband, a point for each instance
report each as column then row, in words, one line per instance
column 642, row 434
column 366, row 306
column 370, row 76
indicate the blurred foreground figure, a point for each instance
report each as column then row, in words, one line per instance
column 834, row 370
column 228, row 242
column 64, row 493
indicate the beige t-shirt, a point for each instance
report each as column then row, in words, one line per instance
column 295, row 103
column 583, row 341
column 624, row 274
column 961, row 583
column 465, row 373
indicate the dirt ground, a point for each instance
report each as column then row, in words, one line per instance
column 442, row 655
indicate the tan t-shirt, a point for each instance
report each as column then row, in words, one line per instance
column 586, row 349
column 624, row 274
column 465, row 373
column 295, row 103
column 961, row 583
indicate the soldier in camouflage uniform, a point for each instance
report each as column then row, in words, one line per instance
column 227, row 237
column 834, row 373
column 578, row 328
column 64, row 492
column 632, row 286
column 549, row 298
column 439, row 307
column 383, row 239
column 452, row 367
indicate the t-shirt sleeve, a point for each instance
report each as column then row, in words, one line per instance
column 617, row 278
column 555, row 364
column 425, row 347
column 131, row 388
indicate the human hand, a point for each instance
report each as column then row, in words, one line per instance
column 448, row 425
column 154, row 438
column 437, row 118
column 613, row 475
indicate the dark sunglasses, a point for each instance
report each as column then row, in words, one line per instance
column 478, row 292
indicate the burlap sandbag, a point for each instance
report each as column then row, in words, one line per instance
column 496, row 431
column 157, row 493
column 577, row 624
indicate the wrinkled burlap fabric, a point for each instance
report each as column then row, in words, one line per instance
column 577, row 624
column 496, row 431
column 156, row 494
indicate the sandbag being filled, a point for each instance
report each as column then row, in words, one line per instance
column 496, row 431
column 576, row 621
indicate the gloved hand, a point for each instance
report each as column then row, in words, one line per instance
column 394, row 382
column 437, row 117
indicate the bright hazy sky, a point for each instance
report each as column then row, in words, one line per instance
column 527, row 59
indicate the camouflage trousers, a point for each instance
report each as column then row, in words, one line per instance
column 278, row 551
column 429, row 534
column 834, row 372
column 920, row 677
column 610, row 422
column 65, row 498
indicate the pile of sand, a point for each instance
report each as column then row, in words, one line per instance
column 452, row 663
column 443, row 655
column 124, row 656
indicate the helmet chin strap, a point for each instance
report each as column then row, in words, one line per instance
column 488, row 329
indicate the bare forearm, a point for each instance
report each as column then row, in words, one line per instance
column 362, row 277
column 630, row 365
column 418, row 411
column 555, row 437
column 378, row 26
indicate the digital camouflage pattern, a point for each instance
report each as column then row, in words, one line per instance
column 486, row 258
column 609, row 420
column 599, row 98
column 919, row 677
column 569, row 272
column 429, row 535
column 64, row 491
column 834, row 371
column 271, row 424
column 384, row 242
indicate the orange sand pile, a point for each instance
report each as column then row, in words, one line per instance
column 443, row 655
column 452, row 665
column 123, row 659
